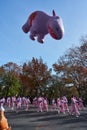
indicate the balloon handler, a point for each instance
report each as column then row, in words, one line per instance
column 3, row 120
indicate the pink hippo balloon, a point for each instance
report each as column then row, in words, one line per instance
column 40, row 24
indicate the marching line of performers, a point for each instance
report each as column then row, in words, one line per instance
column 41, row 104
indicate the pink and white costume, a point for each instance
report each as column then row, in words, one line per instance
column 40, row 104
column 54, row 105
column 81, row 106
column 2, row 101
column 19, row 103
column 65, row 104
column 8, row 102
column 24, row 101
column 13, row 104
column 27, row 102
column 35, row 101
column 45, row 104
column 58, row 104
column 74, row 108
column 62, row 108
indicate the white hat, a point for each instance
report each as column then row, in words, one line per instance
column 2, row 108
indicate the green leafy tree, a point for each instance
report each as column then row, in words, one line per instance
column 10, row 79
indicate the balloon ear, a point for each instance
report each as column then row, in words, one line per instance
column 54, row 14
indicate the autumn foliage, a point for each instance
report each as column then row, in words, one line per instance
column 34, row 77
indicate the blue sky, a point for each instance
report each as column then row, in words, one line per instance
column 15, row 46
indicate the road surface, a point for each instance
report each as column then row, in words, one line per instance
column 51, row 120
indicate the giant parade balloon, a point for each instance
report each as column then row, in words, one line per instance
column 39, row 24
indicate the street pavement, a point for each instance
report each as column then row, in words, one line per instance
column 51, row 120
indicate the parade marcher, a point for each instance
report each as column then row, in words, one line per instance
column 54, row 105
column 18, row 104
column 45, row 104
column 8, row 102
column 74, row 107
column 81, row 105
column 13, row 102
column 24, row 101
column 66, row 104
column 27, row 102
column 2, row 101
column 40, row 104
column 58, row 104
column 35, row 101
column 62, row 108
